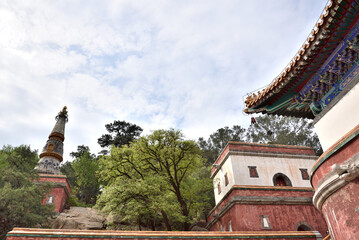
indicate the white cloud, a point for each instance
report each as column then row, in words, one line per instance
column 159, row 64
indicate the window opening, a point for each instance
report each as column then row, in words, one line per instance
column 230, row 226
column 265, row 222
column 50, row 200
column 279, row 179
column 226, row 179
column 303, row 226
column 253, row 171
column 304, row 172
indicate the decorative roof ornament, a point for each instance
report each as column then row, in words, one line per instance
column 62, row 114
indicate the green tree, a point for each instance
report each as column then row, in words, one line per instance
column 20, row 197
column 284, row 130
column 67, row 169
column 152, row 177
column 120, row 133
column 85, row 166
column 218, row 140
column 81, row 149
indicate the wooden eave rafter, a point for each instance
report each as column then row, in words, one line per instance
column 323, row 39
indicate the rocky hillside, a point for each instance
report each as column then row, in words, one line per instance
column 79, row 218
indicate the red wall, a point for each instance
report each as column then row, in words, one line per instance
column 341, row 210
column 342, row 154
column 60, row 198
column 281, row 218
column 55, row 179
column 247, row 217
column 58, row 192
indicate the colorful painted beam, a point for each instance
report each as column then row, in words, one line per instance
column 331, row 48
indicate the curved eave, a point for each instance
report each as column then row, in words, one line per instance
column 337, row 19
column 283, row 112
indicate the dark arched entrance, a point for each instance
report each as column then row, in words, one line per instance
column 279, row 179
column 303, row 226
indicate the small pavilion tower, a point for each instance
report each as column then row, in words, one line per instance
column 49, row 164
column 51, row 155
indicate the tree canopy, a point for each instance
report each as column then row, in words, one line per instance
column 218, row 140
column 120, row 133
column 20, row 197
column 156, row 179
column 283, row 130
column 82, row 175
column 266, row 128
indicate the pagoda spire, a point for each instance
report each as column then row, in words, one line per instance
column 51, row 155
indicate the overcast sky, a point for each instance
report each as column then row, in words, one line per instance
column 159, row 64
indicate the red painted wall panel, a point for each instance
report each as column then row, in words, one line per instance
column 341, row 211
column 59, row 198
column 247, row 217
column 58, row 192
column 281, row 218
column 343, row 154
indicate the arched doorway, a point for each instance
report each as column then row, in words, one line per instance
column 279, row 179
column 303, row 226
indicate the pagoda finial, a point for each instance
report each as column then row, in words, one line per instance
column 62, row 114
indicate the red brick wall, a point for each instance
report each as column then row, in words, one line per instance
column 344, row 153
column 341, row 210
column 274, row 148
column 246, row 217
column 281, row 218
column 279, row 191
column 55, row 179
column 58, row 192
column 60, row 197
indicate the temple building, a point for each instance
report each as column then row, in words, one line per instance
column 264, row 187
column 269, row 191
column 49, row 164
column 243, row 172
column 321, row 83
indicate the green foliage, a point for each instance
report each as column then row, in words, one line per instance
column 198, row 191
column 67, row 169
column 73, row 201
column 120, row 133
column 19, row 158
column 20, row 197
column 87, row 186
column 155, row 180
column 81, row 174
column 218, row 140
column 81, row 149
column 267, row 129
column 284, row 130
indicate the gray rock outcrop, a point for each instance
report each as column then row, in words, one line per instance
column 79, row 218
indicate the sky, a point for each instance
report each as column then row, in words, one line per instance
column 158, row 64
